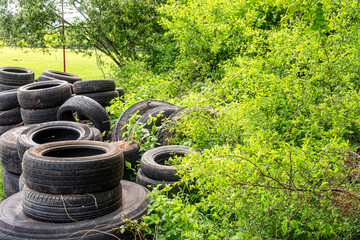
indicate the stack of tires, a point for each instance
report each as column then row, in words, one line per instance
column 40, row 101
column 10, row 116
column 100, row 90
column 155, row 171
column 72, row 190
column 10, row 160
column 14, row 77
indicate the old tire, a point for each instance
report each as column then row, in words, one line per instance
column 140, row 108
column 120, row 91
column 87, row 107
column 153, row 166
column 103, row 98
column 52, row 132
column 70, row 208
column 16, row 76
column 46, row 94
column 32, row 116
column 71, row 167
column 94, row 86
column 15, row 225
column 12, row 116
column 8, row 100
column 68, row 77
column 166, row 112
column 8, row 150
column 10, row 183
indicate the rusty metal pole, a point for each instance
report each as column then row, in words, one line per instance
column 63, row 33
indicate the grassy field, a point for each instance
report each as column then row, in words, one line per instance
column 35, row 59
column 78, row 64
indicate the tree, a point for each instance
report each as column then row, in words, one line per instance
column 123, row 30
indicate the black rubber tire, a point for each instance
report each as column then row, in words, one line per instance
column 16, row 76
column 69, row 77
column 70, row 167
column 52, row 132
column 12, row 116
column 103, row 98
column 32, row 116
column 94, row 86
column 166, row 112
column 4, row 87
column 46, row 94
column 8, row 150
column 140, row 107
column 131, row 155
column 152, row 162
column 43, row 78
column 120, row 91
column 151, row 183
column 15, row 225
column 70, row 208
column 87, row 107
column 97, row 133
column 5, row 128
column 10, row 183
column 8, row 100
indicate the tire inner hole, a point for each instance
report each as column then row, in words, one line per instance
column 162, row 159
column 73, row 152
column 55, row 135
column 42, row 86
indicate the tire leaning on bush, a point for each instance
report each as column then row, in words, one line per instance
column 71, row 167
column 52, row 132
column 46, row 94
column 70, row 208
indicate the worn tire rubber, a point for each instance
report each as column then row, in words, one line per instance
column 15, row 225
column 140, row 107
column 5, row 128
column 21, row 182
column 87, row 107
column 46, row 94
column 8, row 100
column 70, row 167
column 32, row 116
column 151, row 183
column 97, row 133
column 12, row 116
column 43, row 78
column 94, row 86
column 103, row 98
column 70, row 208
column 68, row 77
column 152, row 162
column 16, row 76
column 10, row 183
column 52, row 132
column 4, row 87
column 8, row 150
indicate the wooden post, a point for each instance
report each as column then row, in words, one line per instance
column 63, row 33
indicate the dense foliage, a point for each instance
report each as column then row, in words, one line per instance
column 280, row 159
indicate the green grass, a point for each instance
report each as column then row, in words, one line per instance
column 35, row 59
